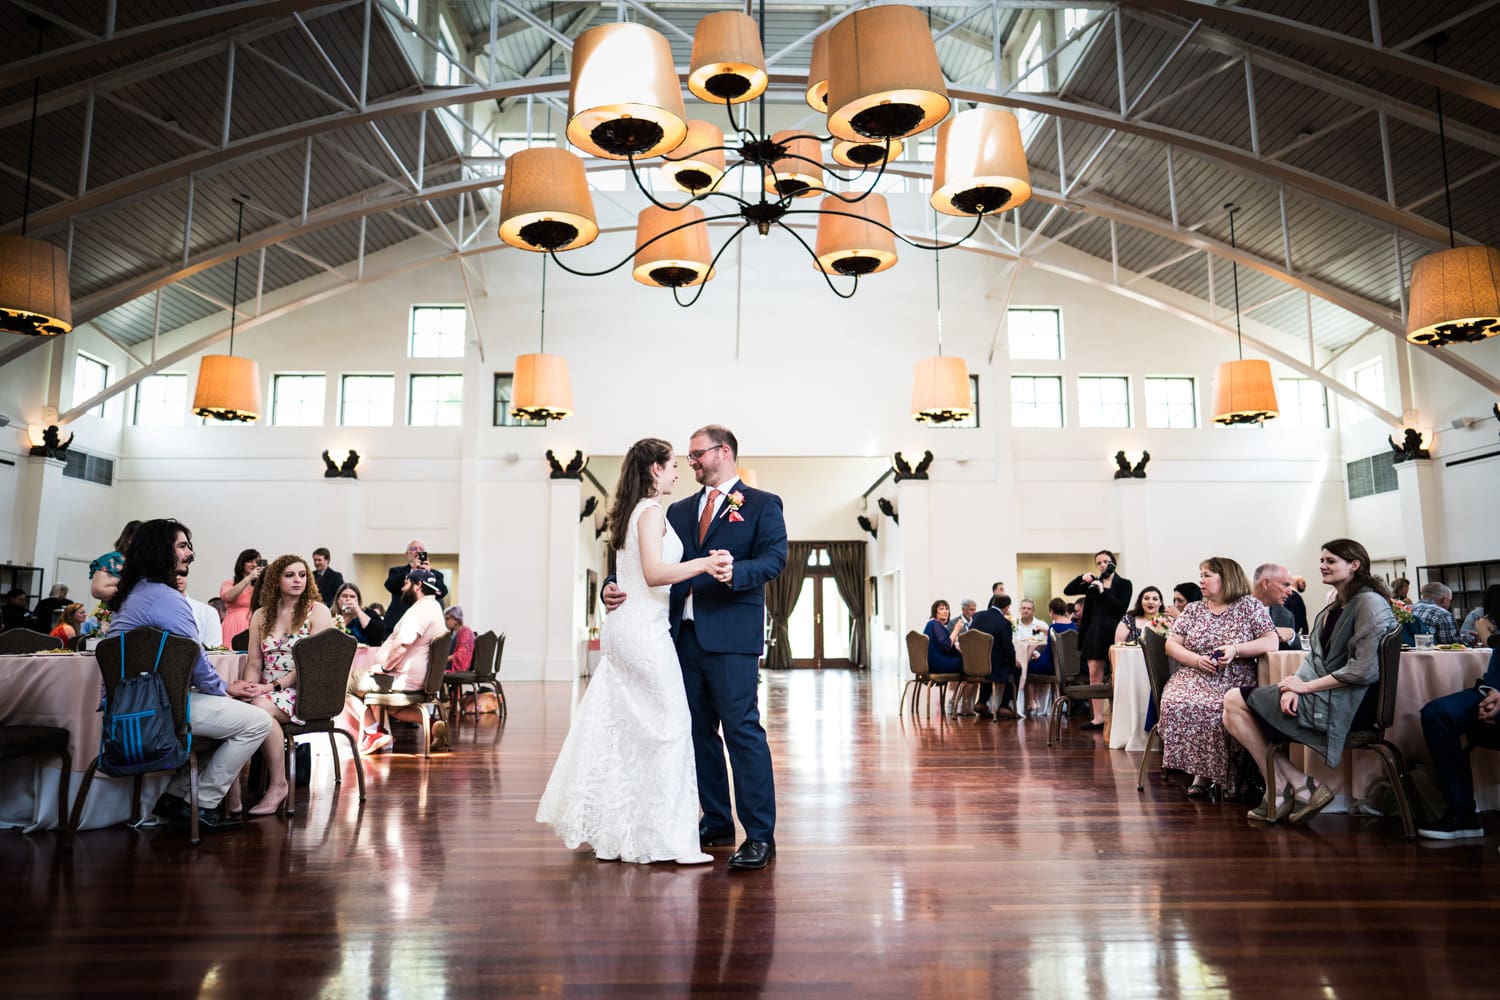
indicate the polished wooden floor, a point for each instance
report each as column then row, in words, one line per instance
column 952, row 858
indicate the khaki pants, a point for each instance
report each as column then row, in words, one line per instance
column 241, row 726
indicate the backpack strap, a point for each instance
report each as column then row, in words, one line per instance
column 159, row 647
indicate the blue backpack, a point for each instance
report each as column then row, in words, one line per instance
column 138, row 732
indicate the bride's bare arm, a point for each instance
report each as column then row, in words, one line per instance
column 657, row 573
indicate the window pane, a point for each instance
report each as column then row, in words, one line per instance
column 1103, row 401
column 1171, row 402
column 161, row 401
column 437, row 331
column 1035, row 333
column 1036, row 400
column 504, row 389
column 436, row 401
column 1369, row 381
column 1303, row 403
column 90, row 377
column 367, row 400
column 297, row 400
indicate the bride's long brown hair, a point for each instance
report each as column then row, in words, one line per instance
column 635, row 484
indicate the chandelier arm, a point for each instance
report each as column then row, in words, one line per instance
column 978, row 221
column 811, row 253
column 738, row 128
column 668, row 207
column 827, row 170
column 711, row 264
column 631, row 256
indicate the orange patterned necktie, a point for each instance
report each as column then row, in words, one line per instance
column 707, row 516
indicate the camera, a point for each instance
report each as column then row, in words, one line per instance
column 1109, row 571
column 421, row 557
column 261, row 563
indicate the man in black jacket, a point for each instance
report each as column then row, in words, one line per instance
column 328, row 580
column 1003, row 668
column 416, row 558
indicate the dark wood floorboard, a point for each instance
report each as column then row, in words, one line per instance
column 928, row 858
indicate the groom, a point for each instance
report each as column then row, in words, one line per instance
column 719, row 628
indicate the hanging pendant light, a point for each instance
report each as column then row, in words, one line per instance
column 884, row 81
column 229, row 387
column 540, row 387
column 545, row 202
column 980, row 165
column 848, row 245
column 1455, row 293
column 729, row 65
column 940, row 385
column 1244, row 391
column 696, row 166
column 680, row 257
column 817, row 74
column 863, row 152
column 34, row 295
column 800, row 173
column 624, row 99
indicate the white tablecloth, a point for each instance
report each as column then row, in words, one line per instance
column 1132, row 698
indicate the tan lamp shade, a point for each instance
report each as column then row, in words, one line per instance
column 856, row 246
column 748, row 477
column 981, row 164
column 728, row 64
column 884, row 81
column 545, row 202
column 697, row 165
column 1244, row 392
column 228, row 388
column 817, row 74
column 799, row 174
column 863, row 152
column 680, row 257
column 940, row 390
column 34, row 294
column 1455, row 297
column 540, row 388
column 623, row 97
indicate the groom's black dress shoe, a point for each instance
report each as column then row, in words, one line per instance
column 752, row 854
column 708, row 838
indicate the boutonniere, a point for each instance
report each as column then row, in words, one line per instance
column 736, row 501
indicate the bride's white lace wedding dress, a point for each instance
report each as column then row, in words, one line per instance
column 625, row 782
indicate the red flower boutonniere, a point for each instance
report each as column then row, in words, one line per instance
column 736, row 501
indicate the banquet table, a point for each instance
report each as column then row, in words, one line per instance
column 1132, row 700
column 1425, row 675
column 1024, row 648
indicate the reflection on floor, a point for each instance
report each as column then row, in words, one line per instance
column 952, row 858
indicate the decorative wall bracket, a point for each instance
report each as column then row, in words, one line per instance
column 1409, row 448
column 905, row 470
column 573, row 470
column 888, row 509
column 347, row 470
column 52, row 445
column 1124, row 470
column 866, row 525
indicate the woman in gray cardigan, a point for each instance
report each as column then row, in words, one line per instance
column 1332, row 692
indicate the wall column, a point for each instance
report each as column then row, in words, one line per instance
column 41, row 514
column 564, row 620
column 1421, row 511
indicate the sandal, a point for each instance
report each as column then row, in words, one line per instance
column 1262, row 813
column 1318, row 799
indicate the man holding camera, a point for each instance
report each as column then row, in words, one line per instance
column 395, row 580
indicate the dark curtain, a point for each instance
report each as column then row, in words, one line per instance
column 848, row 560
column 781, row 597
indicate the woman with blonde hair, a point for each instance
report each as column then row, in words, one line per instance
column 1218, row 640
column 290, row 609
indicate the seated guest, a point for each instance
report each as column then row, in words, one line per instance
column 1332, row 692
column 290, row 609
column 14, row 614
column 328, row 580
column 104, row 572
column 210, row 632
column 147, row 596
column 1400, row 589
column 365, row 625
column 1272, row 585
column 1030, row 628
column 1062, row 621
column 1003, row 669
column 404, row 658
column 238, row 593
column 377, row 610
column 1139, row 618
column 1483, row 621
column 461, row 650
column 1447, row 722
column 943, row 656
column 55, row 601
column 1182, row 595
column 73, row 617
column 217, row 603
column 1432, row 611
column 1218, row 638
column 1296, row 605
column 966, row 609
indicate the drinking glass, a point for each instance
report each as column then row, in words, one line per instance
column 1424, row 640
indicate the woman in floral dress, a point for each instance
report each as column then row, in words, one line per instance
column 1217, row 640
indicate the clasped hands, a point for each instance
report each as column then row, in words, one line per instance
column 1291, row 687
column 720, row 566
column 1489, row 707
column 1217, row 658
column 248, row 690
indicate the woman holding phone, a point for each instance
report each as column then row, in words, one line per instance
column 237, row 593
column 1218, row 640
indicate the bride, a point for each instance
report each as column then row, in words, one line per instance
column 625, row 782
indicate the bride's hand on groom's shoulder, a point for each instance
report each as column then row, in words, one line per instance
column 612, row 596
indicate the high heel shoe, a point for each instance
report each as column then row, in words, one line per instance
column 1317, row 800
column 261, row 809
column 1205, row 790
column 1261, row 813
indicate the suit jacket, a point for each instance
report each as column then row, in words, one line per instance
column 329, row 581
column 1003, row 652
column 394, row 581
column 1283, row 618
column 1298, row 608
column 730, row 618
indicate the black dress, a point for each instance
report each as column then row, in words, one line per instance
column 1102, row 611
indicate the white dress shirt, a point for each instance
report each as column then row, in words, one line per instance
column 725, row 488
column 210, row 629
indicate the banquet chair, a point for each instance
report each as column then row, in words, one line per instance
column 138, row 648
column 481, row 671
column 922, row 677
column 1373, row 737
column 240, row 641
column 432, row 690
column 1159, row 670
column 323, row 663
column 503, row 707
column 21, row 641
column 975, row 648
column 1065, row 681
column 29, row 741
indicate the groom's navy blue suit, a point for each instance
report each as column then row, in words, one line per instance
column 720, row 652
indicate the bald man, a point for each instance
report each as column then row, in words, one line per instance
column 395, row 579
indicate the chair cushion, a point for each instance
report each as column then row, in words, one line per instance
column 311, row 726
column 461, row 677
column 395, row 698
column 23, row 741
column 1089, row 691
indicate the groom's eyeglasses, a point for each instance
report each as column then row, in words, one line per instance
column 694, row 456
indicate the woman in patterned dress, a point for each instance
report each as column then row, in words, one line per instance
column 290, row 609
column 1218, row 640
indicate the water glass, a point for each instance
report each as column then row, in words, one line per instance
column 1424, row 640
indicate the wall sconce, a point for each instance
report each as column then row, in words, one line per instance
column 905, row 470
column 573, row 470
column 866, row 525
column 1124, row 470
column 1410, row 448
column 589, row 506
column 346, row 470
column 888, row 509
column 46, row 442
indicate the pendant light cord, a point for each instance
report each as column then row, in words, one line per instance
column 1443, row 150
column 36, row 98
column 937, row 283
column 542, row 348
column 234, row 300
column 1239, row 335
